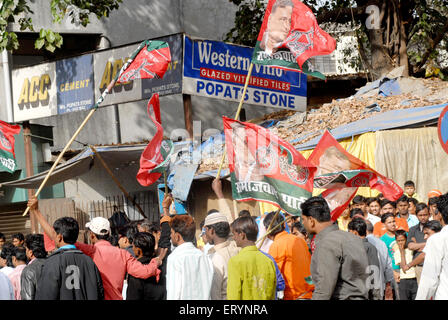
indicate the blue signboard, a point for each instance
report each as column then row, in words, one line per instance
column 75, row 82
column 218, row 70
column 443, row 129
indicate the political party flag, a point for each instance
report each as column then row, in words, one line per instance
column 289, row 36
column 341, row 174
column 7, row 155
column 150, row 62
column 266, row 168
column 155, row 158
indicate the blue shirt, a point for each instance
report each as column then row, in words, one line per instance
column 280, row 280
column 412, row 221
column 390, row 243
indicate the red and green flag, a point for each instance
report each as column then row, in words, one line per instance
column 148, row 63
column 155, row 158
column 341, row 174
column 289, row 36
column 265, row 168
column 7, row 140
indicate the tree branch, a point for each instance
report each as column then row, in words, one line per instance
column 432, row 47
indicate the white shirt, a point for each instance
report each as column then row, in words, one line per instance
column 373, row 219
column 6, row 289
column 7, row 270
column 189, row 274
column 386, row 271
column 434, row 278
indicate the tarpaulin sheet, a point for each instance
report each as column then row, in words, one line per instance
column 413, row 154
column 387, row 120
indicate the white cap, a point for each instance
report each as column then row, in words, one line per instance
column 99, row 225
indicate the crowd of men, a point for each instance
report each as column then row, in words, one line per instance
column 377, row 249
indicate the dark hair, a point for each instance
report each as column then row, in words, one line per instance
column 20, row 254
column 6, row 253
column 68, row 228
column 35, row 243
column 184, row 225
column 129, row 230
column 212, row 211
column 420, row 206
column 246, row 225
column 299, row 226
column 371, row 200
column 433, row 200
column 356, row 211
column 442, row 206
column 358, row 199
column 278, row 220
column 409, row 183
column 413, row 200
column 154, row 227
column 385, row 216
column 2, row 236
column 359, row 225
column 403, row 198
column 380, row 195
column 369, row 226
column 18, row 236
column 316, row 207
column 433, row 225
column 222, row 229
column 386, row 201
column 401, row 232
column 244, row 213
column 146, row 242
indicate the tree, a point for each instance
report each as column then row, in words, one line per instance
column 12, row 11
column 390, row 33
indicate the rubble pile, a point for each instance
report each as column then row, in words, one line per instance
column 372, row 99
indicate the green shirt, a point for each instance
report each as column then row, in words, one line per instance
column 390, row 244
column 251, row 276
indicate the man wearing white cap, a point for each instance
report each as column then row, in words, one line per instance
column 112, row 262
column 217, row 230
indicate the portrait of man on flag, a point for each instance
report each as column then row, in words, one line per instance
column 278, row 26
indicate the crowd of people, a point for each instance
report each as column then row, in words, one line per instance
column 376, row 250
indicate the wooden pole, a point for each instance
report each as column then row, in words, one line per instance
column 29, row 166
column 99, row 101
column 109, row 171
column 237, row 115
column 188, row 114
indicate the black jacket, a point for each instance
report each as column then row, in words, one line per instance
column 28, row 279
column 145, row 289
column 68, row 274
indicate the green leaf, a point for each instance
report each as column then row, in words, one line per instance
column 42, row 33
column 39, row 43
column 50, row 36
column 50, row 47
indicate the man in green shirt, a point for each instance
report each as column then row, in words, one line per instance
column 251, row 274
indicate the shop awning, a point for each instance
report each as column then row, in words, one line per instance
column 114, row 156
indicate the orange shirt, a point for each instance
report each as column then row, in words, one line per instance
column 293, row 259
column 379, row 229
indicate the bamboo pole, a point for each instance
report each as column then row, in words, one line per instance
column 109, row 171
column 100, row 100
column 269, row 227
column 237, row 115
column 272, row 229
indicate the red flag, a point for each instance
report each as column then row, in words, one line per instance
column 154, row 158
column 150, row 62
column 338, row 167
column 266, row 168
column 291, row 24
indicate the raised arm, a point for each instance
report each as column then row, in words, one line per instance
column 33, row 203
column 222, row 204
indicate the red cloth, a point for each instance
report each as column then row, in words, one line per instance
column 113, row 264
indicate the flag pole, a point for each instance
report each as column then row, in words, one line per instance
column 237, row 115
column 109, row 171
column 270, row 227
column 95, row 107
